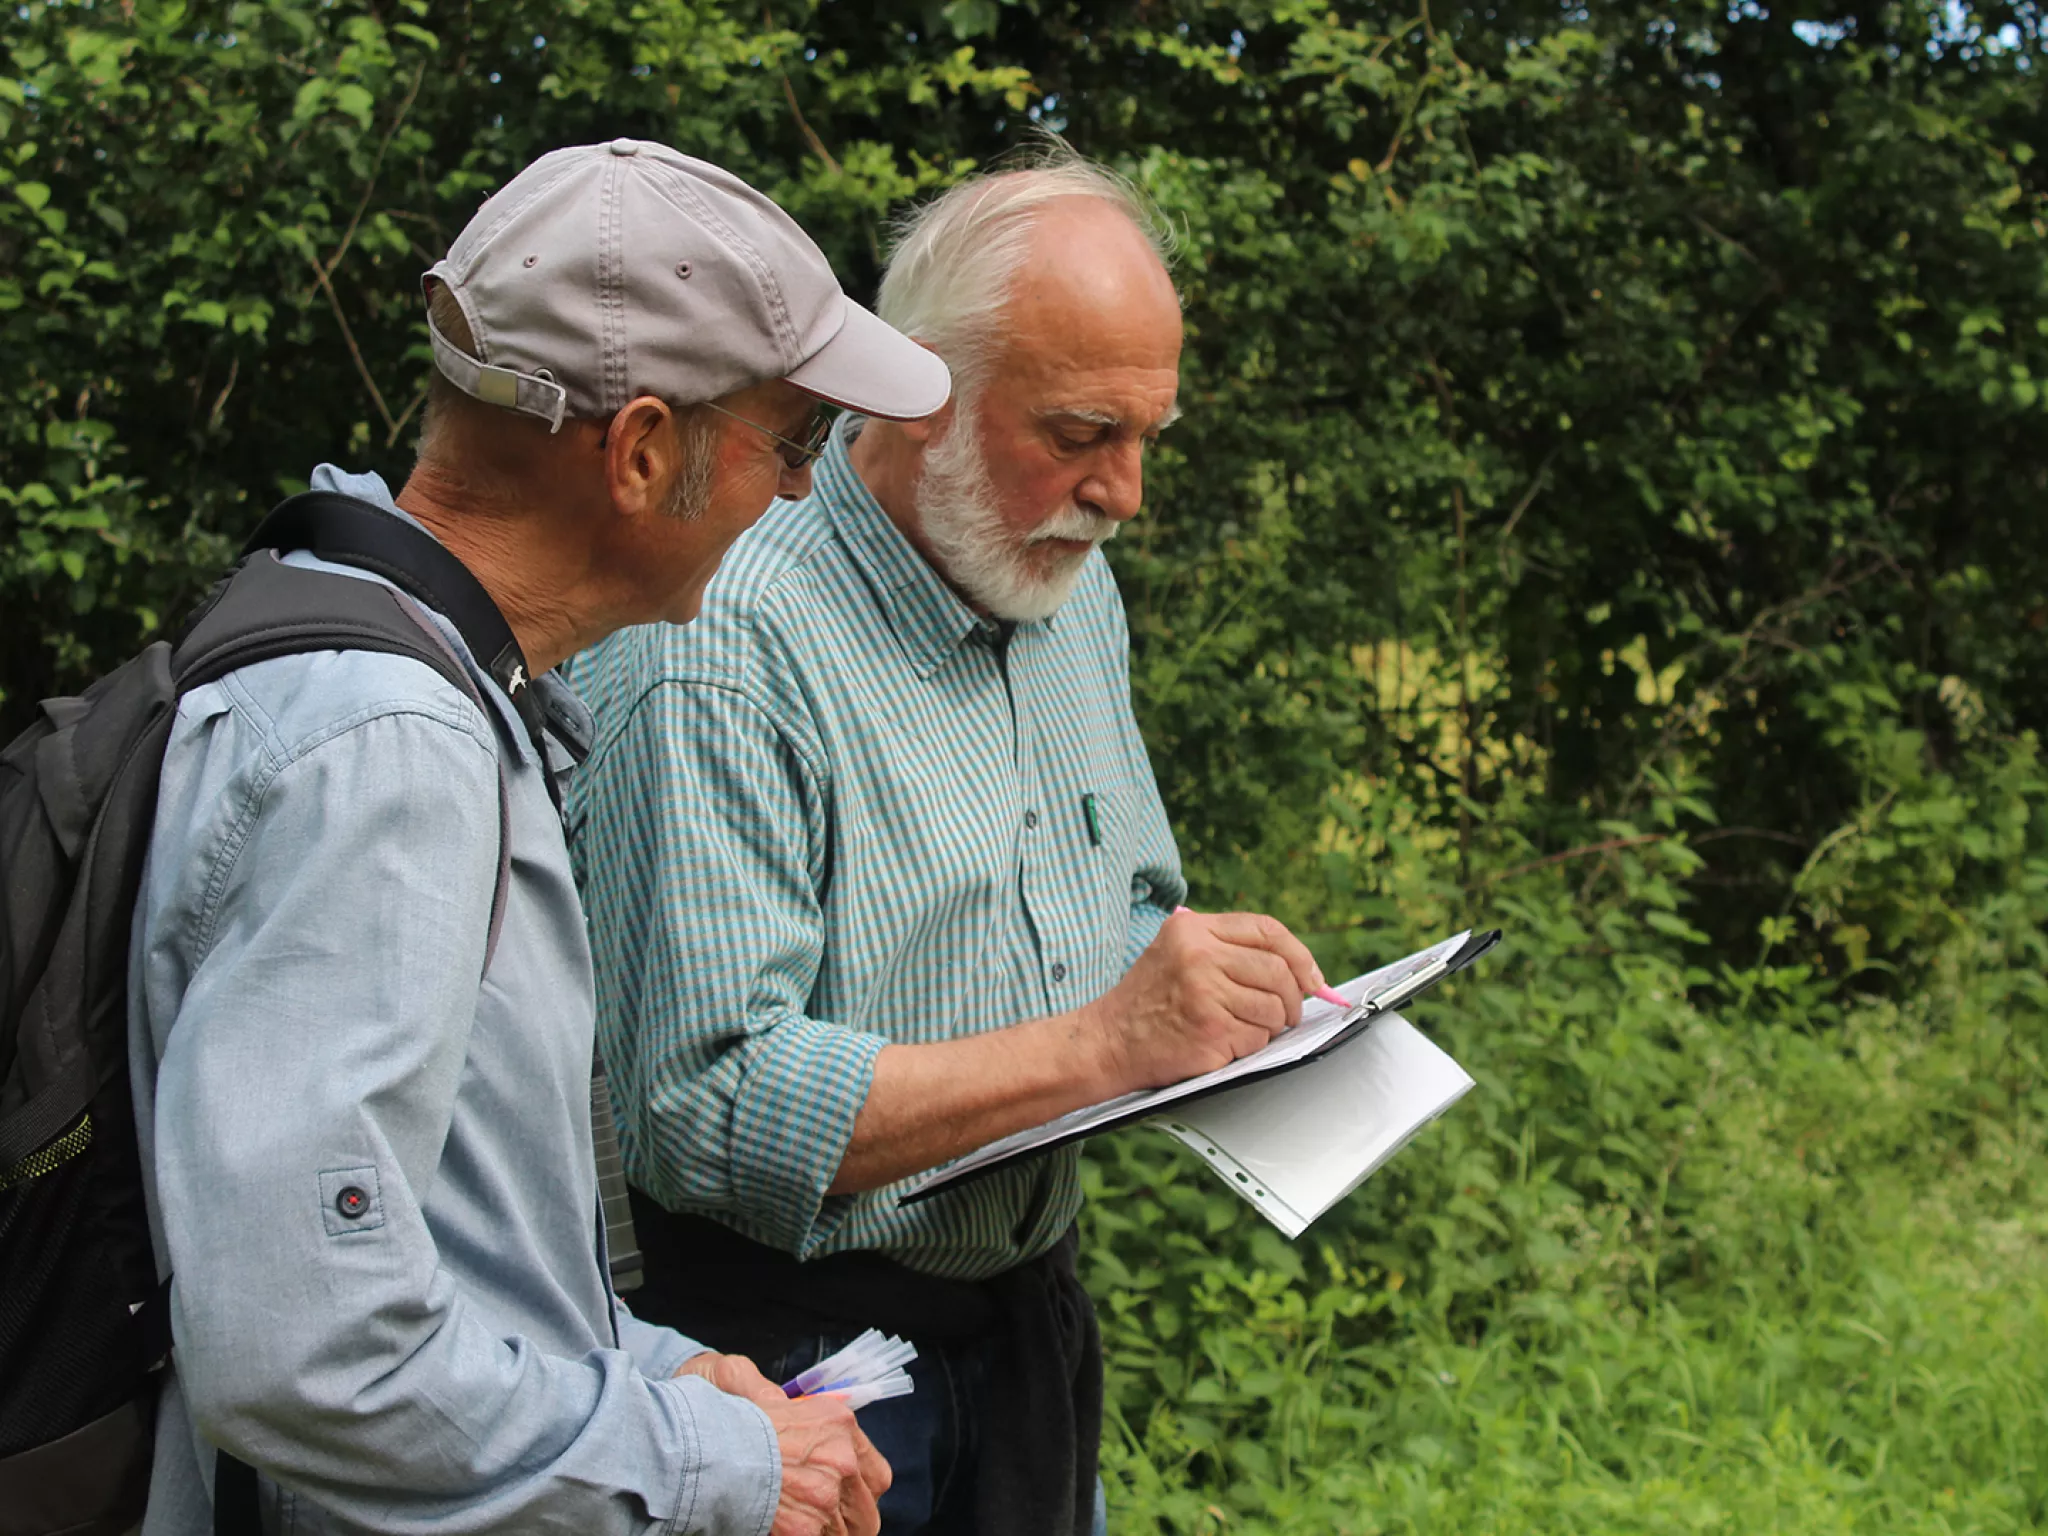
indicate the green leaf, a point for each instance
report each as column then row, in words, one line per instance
column 310, row 98
column 355, row 101
column 1675, row 926
column 971, row 18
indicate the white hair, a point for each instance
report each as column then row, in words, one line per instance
column 955, row 258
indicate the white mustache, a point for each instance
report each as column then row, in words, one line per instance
column 1075, row 524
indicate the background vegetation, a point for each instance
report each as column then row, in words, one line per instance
column 1611, row 506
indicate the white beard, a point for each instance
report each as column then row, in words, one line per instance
column 976, row 551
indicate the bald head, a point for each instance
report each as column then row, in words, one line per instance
column 959, row 258
column 1091, row 297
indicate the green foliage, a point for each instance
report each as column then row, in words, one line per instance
column 1701, row 1252
column 1610, row 505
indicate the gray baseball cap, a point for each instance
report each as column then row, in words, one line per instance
column 609, row 271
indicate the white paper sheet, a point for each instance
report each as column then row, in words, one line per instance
column 1296, row 1144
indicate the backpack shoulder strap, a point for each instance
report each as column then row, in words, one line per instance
column 268, row 609
column 426, row 627
column 351, row 531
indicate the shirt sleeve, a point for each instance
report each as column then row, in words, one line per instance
column 303, row 1104
column 659, row 1352
column 703, row 867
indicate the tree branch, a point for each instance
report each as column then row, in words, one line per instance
column 802, row 123
column 803, row 126
column 348, row 235
column 349, row 338
column 1528, row 500
column 404, row 416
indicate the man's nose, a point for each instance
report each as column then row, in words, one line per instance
column 1116, row 485
column 795, row 484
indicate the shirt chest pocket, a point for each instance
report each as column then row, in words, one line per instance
column 1093, row 816
column 1077, row 772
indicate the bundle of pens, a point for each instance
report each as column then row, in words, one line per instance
column 866, row 1371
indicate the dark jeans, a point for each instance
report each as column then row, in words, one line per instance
column 737, row 1296
column 929, row 1438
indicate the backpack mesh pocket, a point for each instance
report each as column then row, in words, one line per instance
column 72, row 1273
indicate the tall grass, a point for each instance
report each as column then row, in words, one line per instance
column 1712, row 1247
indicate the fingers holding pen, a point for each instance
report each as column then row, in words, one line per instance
column 1261, row 989
column 1208, row 990
column 1267, row 936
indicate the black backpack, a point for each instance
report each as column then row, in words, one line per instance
column 83, row 1324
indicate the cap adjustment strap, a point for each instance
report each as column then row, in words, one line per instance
column 531, row 394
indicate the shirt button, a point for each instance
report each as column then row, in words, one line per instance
column 1059, row 970
column 352, row 1202
column 1030, row 819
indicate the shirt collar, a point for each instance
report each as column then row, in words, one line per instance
column 928, row 616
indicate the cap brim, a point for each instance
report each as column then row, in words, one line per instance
column 873, row 368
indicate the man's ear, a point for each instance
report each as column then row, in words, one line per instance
column 926, row 429
column 642, row 456
column 923, row 430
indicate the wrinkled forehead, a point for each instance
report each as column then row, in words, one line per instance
column 1122, row 375
column 1123, row 369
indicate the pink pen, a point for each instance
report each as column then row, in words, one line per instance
column 1324, row 994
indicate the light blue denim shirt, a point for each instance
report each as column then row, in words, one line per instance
column 309, row 1014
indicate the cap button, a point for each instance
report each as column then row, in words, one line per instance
column 624, row 147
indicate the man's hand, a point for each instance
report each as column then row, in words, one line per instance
column 831, row 1475
column 735, row 1374
column 1209, row 989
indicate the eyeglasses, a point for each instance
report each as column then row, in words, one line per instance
column 795, row 455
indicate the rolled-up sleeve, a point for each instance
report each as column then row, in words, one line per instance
column 304, row 1100
column 708, row 934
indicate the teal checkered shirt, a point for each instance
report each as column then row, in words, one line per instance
column 840, row 811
